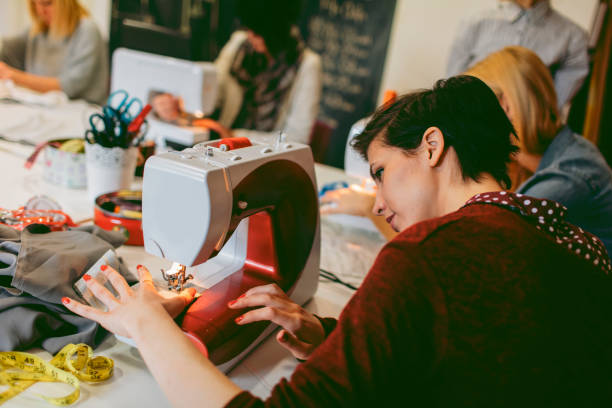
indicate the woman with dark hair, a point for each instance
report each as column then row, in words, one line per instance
column 478, row 301
column 269, row 81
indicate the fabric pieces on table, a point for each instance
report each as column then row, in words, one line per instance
column 37, row 269
column 35, row 124
column 29, row 322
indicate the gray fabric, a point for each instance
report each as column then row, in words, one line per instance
column 61, row 258
column 37, row 269
column 557, row 40
column 29, row 322
column 574, row 173
column 79, row 61
column 9, row 250
column 8, row 265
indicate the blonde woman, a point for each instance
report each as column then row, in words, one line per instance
column 565, row 167
column 62, row 50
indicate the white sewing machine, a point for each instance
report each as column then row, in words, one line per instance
column 141, row 74
column 246, row 215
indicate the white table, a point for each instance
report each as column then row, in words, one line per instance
column 346, row 251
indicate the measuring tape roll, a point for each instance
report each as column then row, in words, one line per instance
column 20, row 370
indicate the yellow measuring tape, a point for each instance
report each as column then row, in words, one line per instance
column 74, row 362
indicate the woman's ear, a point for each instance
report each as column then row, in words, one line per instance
column 433, row 143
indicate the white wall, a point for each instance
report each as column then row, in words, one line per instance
column 14, row 17
column 423, row 31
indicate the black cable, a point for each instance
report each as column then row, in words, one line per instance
column 334, row 278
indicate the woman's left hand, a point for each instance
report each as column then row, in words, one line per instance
column 302, row 332
column 132, row 303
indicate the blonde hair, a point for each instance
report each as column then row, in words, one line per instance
column 66, row 17
column 528, row 88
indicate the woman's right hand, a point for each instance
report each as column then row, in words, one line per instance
column 301, row 331
column 6, row 71
column 166, row 106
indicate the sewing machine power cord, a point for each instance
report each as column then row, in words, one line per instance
column 334, row 278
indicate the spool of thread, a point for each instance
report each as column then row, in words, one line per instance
column 232, row 143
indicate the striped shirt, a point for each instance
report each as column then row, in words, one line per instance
column 559, row 42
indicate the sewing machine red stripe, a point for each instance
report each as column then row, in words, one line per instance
column 209, row 322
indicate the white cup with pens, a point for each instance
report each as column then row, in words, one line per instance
column 111, row 150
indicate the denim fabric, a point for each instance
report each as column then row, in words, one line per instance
column 574, row 173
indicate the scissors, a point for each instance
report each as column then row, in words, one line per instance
column 99, row 132
column 127, row 109
column 107, row 130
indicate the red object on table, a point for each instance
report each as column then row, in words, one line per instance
column 18, row 219
column 135, row 125
column 121, row 211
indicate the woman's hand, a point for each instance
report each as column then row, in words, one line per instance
column 167, row 107
column 132, row 302
column 302, row 332
column 7, row 72
column 206, row 123
column 354, row 200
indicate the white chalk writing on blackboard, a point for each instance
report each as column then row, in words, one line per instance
column 348, row 10
column 351, row 38
column 344, row 52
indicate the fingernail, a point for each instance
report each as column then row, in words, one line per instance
column 103, row 267
column 231, row 302
column 239, row 319
column 283, row 337
column 241, row 296
column 86, row 278
column 65, row 300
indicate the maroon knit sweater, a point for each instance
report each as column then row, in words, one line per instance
column 478, row 308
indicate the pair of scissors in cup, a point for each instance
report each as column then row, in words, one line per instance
column 106, row 130
column 125, row 108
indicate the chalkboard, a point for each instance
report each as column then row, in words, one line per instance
column 351, row 36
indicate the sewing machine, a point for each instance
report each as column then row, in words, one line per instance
column 142, row 74
column 244, row 215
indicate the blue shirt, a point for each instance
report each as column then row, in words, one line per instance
column 574, row 173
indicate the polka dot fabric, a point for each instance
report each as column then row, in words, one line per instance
column 549, row 217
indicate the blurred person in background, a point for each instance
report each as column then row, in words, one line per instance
column 559, row 42
column 269, row 81
column 61, row 51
